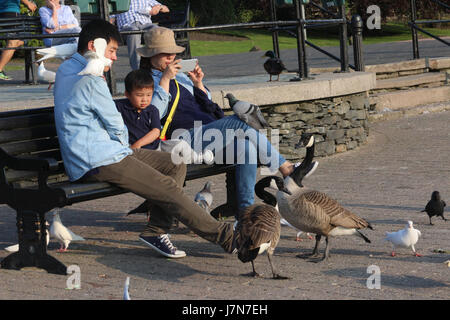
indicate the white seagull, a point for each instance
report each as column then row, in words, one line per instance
column 61, row 51
column 96, row 59
column 284, row 222
column 405, row 238
column 46, row 75
column 61, row 233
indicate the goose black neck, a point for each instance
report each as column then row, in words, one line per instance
column 264, row 195
column 301, row 171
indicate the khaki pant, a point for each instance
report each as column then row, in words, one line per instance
column 152, row 175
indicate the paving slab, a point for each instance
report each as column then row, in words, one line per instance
column 387, row 181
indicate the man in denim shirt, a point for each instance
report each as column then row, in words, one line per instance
column 94, row 147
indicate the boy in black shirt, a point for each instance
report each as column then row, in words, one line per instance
column 140, row 117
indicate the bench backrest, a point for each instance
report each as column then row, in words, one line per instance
column 30, row 133
column 22, row 24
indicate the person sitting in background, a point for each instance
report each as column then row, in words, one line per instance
column 57, row 19
column 140, row 117
column 11, row 9
column 138, row 17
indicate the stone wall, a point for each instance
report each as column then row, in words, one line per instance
column 338, row 124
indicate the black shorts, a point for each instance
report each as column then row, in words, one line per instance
column 9, row 14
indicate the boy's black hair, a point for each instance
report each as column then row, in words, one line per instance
column 137, row 79
column 97, row 29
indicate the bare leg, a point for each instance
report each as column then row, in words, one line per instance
column 8, row 54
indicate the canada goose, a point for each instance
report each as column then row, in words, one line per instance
column 315, row 212
column 435, row 207
column 259, row 229
column 270, row 199
column 273, row 66
column 307, row 167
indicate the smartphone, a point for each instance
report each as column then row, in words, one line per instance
column 188, row 65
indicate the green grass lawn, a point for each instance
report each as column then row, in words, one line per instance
column 263, row 39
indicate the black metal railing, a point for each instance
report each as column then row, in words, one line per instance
column 414, row 26
column 339, row 20
column 299, row 25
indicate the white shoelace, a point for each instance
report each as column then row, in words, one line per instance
column 165, row 239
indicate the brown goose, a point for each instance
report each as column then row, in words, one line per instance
column 313, row 211
column 259, row 230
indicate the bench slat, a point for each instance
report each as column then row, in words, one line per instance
column 24, row 121
column 22, row 134
column 28, row 147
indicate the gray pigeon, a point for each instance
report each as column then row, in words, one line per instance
column 435, row 207
column 247, row 112
column 204, row 197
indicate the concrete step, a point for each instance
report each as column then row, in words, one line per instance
column 410, row 81
column 412, row 111
column 408, row 98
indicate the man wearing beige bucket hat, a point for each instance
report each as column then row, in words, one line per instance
column 194, row 104
column 94, row 146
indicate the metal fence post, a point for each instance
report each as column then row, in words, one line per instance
column 273, row 14
column 343, row 38
column 357, row 29
column 301, row 52
column 415, row 40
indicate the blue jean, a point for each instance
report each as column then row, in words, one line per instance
column 247, row 153
column 134, row 42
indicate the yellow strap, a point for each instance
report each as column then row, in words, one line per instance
column 171, row 113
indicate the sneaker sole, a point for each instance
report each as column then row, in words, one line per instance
column 168, row 255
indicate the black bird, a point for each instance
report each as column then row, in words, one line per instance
column 308, row 166
column 435, row 207
column 274, row 66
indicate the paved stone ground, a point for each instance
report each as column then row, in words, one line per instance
column 387, row 181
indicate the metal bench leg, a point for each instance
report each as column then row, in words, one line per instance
column 32, row 245
column 228, row 209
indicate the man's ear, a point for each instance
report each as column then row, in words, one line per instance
column 127, row 94
column 90, row 46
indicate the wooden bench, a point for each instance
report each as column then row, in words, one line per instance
column 33, row 182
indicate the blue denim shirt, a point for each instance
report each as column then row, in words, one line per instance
column 90, row 130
